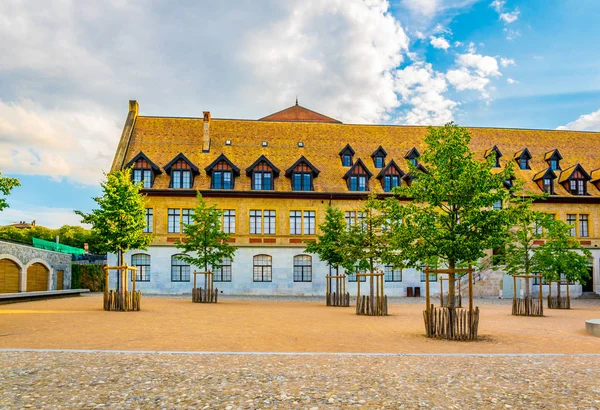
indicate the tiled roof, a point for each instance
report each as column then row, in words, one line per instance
column 162, row 139
column 299, row 113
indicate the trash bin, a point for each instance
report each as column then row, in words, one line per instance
column 417, row 291
column 409, row 292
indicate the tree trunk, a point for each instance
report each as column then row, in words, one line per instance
column 557, row 289
column 527, row 288
column 451, row 285
column 371, row 281
column 120, row 257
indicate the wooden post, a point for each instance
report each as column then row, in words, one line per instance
column 442, row 291
column 568, row 296
column 358, row 283
column 514, row 287
column 470, row 289
column 427, row 287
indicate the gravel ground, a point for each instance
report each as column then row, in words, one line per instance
column 118, row 380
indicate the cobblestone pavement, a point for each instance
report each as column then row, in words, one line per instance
column 118, row 380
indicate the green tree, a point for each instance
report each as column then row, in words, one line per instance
column 6, row 185
column 69, row 235
column 330, row 245
column 205, row 238
column 562, row 256
column 520, row 257
column 367, row 243
column 451, row 216
column 120, row 220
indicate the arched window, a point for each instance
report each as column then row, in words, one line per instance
column 142, row 262
column 223, row 271
column 263, row 268
column 180, row 270
column 302, row 268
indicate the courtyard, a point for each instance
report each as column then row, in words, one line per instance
column 288, row 325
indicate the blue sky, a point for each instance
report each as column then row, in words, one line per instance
column 69, row 68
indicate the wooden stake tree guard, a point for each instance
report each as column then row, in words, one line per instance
column 340, row 297
column 447, row 323
column 208, row 294
column 121, row 300
column 375, row 305
column 527, row 306
column 559, row 302
column 457, row 298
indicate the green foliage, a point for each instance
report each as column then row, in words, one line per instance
column 331, row 244
column 563, row 255
column 205, row 238
column 451, row 216
column 87, row 277
column 68, row 235
column 6, row 185
column 120, row 220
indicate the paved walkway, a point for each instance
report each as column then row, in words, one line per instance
column 121, row 380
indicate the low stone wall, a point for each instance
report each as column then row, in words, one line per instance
column 24, row 256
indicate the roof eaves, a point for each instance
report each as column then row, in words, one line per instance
column 177, row 158
column 258, row 161
column 220, row 158
column 154, row 167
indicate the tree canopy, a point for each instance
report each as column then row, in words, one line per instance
column 330, row 245
column 205, row 238
column 120, row 220
column 6, row 185
column 68, row 235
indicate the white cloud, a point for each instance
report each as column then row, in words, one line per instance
column 485, row 66
column 511, row 34
column 439, row 42
column 505, row 62
column 462, row 80
column 422, row 91
column 511, row 81
column 498, row 5
column 473, row 73
column 586, row 122
column 431, row 8
column 457, row 44
column 509, row 17
column 420, row 35
column 61, row 143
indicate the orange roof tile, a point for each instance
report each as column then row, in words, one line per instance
column 299, row 113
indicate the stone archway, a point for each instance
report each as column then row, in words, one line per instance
column 10, row 274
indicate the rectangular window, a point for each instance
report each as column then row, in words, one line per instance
column 301, row 181
column 262, row 268
column 269, row 220
column 523, row 163
column 390, row 182
column 176, row 179
column 257, row 181
column 229, row 221
column 295, row 222
column 255, row 222
column 147, row 178
column 302, row 268
column 186, row 217
column 350, row 218
column 306, row 182
column 227, row 180
column 353, row 183
column 186, row 179
column 580, row 187
column 537, row 228
column 223, row 271
column 554, row 164
column 392, row 275
column 180, row 270
column 360, row 218
column 173, row 222
column 583, row 226
column 378, row 162
column 497, row 205
column 262, row 181
column 149, row 220
column 548, row 185
column 352, row 277
column 309, row 223
column 142, row 263
column 432, row 278
column 572, row 220
column 217, row 180
column 346, row 160
column 362, row 183
column 137, row 176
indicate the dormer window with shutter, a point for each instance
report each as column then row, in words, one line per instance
column 262, row 174
column 545, row 180
column 357, row 177
column 182, row 171
column 574, row 179
column 346, row 155
column 413, row 156
column 496, row 153
column 142, row 169
column 390, row 176
column 302, row 173
column 553, row 159
column 379, row 157
column 222, row 173
column 523, row 157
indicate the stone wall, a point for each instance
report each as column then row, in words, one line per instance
column 24, row 256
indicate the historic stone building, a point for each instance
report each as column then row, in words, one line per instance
column 274, row 177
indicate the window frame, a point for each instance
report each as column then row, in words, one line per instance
column 268, row 258
column 303, row 182
column 261, row 176
column 181, row 268
column 179, row 176
column 149, row 217
column 228, row 221
column 305, row 270
column 584, row 229
column 572, row 220
column 391, row 274
column 219, row 175
column 143, row 272
column 220, row 275
column 300, row 222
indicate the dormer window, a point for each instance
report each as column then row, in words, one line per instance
column 302, row 174
column 553, row 159
column 262, row 173
column 574, row 179
column 346, row 155
column 358, row 177
column 522, row 157
column 143, row 170
column 548, row 186
column 545, row 180
column 390, row 176
column 222, row 173
column 181, row 171
column 496, row 153
column 412, row 156
column 379, row 157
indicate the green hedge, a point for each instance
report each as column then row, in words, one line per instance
column 87, row 277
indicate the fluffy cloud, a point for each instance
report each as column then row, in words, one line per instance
column 74, row 144
column 509, row 18
column 439, row 42
column 586, row 122
column 473, row 73
column 511, row 81
column 498, row 5
column 485, row 66
column 505, row 62
column 422, row 91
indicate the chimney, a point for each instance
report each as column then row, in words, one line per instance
column 134, row 107
column 33, row 223
column 206, row 139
